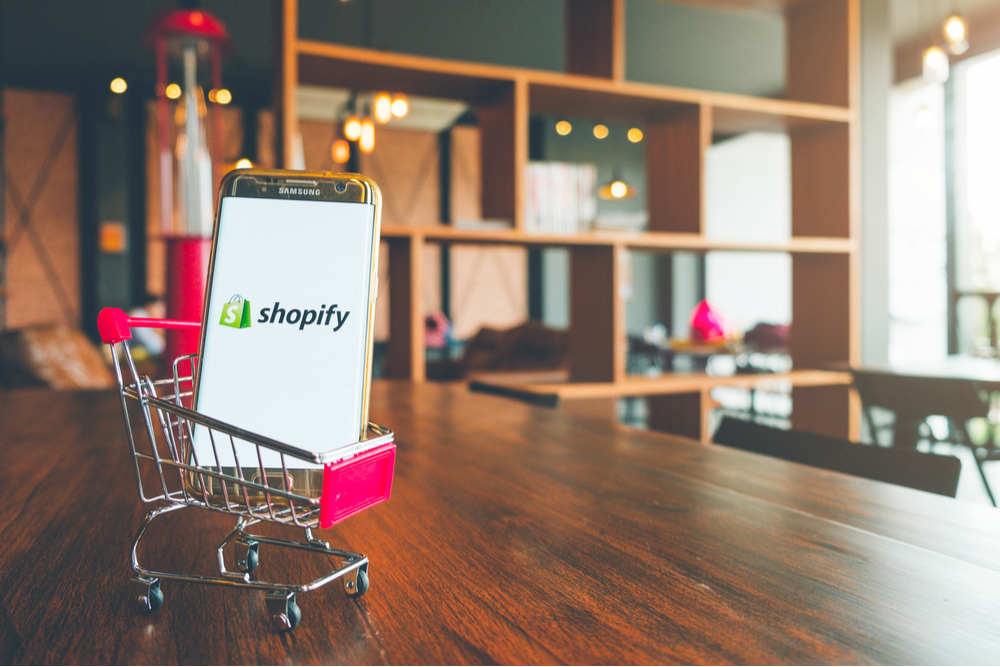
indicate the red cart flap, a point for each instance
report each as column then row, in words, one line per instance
column 355, row 484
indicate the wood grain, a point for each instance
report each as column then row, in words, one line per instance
column 515, row 534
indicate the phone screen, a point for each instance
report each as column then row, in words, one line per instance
column 285, row 345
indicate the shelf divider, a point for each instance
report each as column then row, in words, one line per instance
column 405, row 356
column 675, row 169
column 595, row 38
column 503, row 126
column 597, row 315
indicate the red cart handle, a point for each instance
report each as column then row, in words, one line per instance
column 114, row 324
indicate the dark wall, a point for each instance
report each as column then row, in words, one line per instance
column 64, row 44
column 520, row 33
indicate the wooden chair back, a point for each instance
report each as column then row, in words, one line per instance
column 926, row 472
column 912, row 397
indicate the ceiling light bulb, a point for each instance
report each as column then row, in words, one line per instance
column 367, row 140
column 118, row 85
column 352, row 128
column 563, row 127
column 341, row 151
column 383, row 108
column 223, row 96
column 173, row 91
column 935, row 65
column 600, row 131
column 954, row 29
column 400, row 106
column 635, row 135
column 618, row 189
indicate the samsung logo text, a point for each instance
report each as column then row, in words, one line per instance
column 315, row 192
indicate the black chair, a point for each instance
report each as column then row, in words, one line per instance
column 913, row 399
column 926, row 472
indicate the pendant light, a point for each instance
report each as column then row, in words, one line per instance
column 616, row 188
column 956, row 34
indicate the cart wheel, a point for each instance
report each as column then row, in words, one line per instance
column 288, row 620
column 149, row 597
column 361, row 583
column 252, row 560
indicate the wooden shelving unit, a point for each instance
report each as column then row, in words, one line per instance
column 820, row 114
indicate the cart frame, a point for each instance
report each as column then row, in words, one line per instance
column 254, row 500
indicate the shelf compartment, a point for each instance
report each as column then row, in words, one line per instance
column 551, row 93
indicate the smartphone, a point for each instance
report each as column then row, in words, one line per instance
column 286, row 340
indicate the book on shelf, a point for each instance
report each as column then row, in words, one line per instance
column 560, row 197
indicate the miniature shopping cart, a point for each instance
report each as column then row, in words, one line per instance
column 354, row 478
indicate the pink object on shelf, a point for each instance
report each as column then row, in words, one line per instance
column 355, row 484
column 706, row 323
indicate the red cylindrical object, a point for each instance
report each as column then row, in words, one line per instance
column 187, row 269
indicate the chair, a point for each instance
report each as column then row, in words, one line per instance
column 926, row 472
column 913, row 398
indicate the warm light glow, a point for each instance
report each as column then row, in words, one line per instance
column 563, row 127
column 223, row 96
column 244, row 164
column 367, row 141
column 341, row 151
column 118, row 85
column 383, row 108
column 600, row 131
column 211, row 96
column 400, row 106
column 173, row 91
column 954, row 29
column 352, row 128
column 635, row 135
column 617, row 189
column 197, row 18
column 935, row 65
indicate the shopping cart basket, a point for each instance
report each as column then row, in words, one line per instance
column 355, row 477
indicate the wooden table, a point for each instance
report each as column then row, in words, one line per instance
column 515, row 534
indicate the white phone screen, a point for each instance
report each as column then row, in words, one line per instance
column 286, row 335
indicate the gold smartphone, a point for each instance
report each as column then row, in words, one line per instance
column 286, row 340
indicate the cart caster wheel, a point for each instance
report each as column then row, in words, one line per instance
column 287, row 621
column 148, row 597
column 285, row 614
column 250, row 556
column 360, row 584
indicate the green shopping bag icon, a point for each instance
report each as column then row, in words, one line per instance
column 236, row 313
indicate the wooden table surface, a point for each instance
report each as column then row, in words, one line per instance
column 515, row 534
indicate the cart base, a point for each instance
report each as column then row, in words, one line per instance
column 280, row 597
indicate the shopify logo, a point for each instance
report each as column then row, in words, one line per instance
column 236, row 313
column 324, row 317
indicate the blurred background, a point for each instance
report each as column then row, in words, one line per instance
column 906, row 274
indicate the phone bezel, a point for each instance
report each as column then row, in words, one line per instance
column 255, row 183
